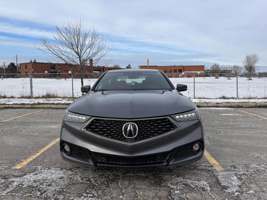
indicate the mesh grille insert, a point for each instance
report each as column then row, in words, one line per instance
column 147, row 128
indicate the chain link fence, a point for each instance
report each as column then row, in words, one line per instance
column 224, row 87
column 47, row 85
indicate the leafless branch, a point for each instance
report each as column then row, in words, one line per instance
column 72, row 44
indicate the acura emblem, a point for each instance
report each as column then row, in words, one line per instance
column 130, row 130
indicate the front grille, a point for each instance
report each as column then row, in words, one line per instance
column 147, row 128
column 130, row 161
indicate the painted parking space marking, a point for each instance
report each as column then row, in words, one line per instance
column 230, row 114
column 253, row 114
column 213, row 162
column 26, row 161
column 215, row 108
column 19, row 116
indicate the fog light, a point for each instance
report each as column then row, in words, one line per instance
column 66, row 148
column 196, row 147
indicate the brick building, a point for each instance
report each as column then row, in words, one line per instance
column 101, row 69
column 178, row 70
column 42, row 69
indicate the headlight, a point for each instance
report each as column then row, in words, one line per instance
column 73, row 117
column 188, row 116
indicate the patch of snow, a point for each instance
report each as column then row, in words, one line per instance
column 11, row 101
column 179, row 185
column 229, row 181
column 47, row 181
column 229, row 100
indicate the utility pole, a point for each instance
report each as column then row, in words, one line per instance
column 147, row 62
column 31, row 86
column 17, row 67
column 237, row 86
column 16, row 59
column 194, row 86
column 4, row 68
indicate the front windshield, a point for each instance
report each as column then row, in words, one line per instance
column 133, row 80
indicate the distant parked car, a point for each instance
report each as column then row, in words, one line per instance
column 132, row 118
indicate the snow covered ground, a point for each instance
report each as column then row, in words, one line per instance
column 21, row 101
column 207, row 87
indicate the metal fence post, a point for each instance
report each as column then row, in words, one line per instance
column 194, row 87
column 237, row 94
column 31, row 87
column 72, row 86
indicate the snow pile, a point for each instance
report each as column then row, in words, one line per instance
column 229, row 181
column 20, row 101
column 229, row 100
column 46, row 182
column 184, row 188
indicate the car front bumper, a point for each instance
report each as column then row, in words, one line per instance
column 172, row 148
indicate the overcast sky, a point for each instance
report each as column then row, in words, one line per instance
column 167, row 32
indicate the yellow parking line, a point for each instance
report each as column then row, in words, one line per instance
column 19, row 116
column 253, row 114
column 25, row 162
column 213, row 161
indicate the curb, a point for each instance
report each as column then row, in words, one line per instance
column 232, row 104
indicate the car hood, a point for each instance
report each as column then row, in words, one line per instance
column 131, row 104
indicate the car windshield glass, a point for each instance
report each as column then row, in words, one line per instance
column 133, row 80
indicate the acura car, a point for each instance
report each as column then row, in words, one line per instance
column 132, row 118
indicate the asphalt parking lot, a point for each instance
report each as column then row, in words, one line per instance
column 234, row 165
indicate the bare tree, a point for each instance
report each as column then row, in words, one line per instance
column 215, row 70
column 249, row 64
column 237, row 70
column 129, row 66
column 74, row 45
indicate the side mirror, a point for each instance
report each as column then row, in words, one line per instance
column 85, row 89
column 181, row 87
